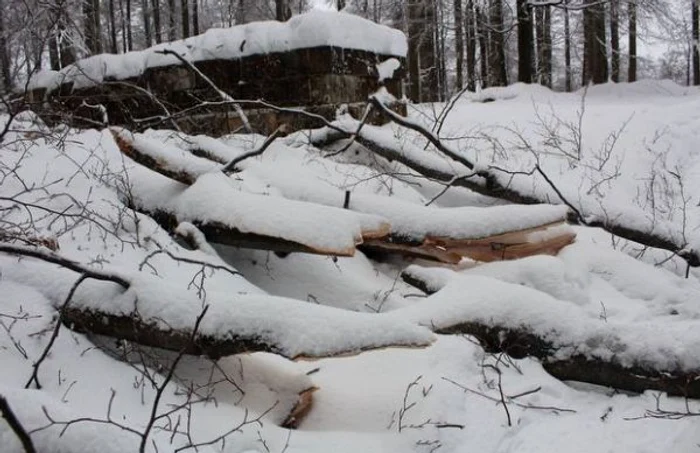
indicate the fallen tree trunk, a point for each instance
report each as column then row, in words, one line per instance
column 520, row 343
column 487, row 182
column 219, row 233
column 132, row 328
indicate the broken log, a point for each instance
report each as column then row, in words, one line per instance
column 301, row 409
column 520, row 343
column 488, row 183
column 423, row 251
column 542, row 240
column 159, row 157
column 131, row 327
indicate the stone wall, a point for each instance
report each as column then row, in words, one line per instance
column 318, row 80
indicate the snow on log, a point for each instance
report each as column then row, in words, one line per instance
column 169, row 161
column 500, row 185
column 439, row 234
column 544, row 240
column 153, row 312
column 520, row 321
column 230, row 216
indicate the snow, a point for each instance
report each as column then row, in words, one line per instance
column 600, row 296
column 386, row 68
column 177, row 160
column 304, row 31
column 317, row 227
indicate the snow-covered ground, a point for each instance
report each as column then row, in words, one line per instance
column 636, row 160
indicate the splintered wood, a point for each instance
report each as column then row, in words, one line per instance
column 546, row 239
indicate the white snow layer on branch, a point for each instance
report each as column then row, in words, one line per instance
column 297, row 180
column 290, row 327
column 309, row 30
column 214, row 198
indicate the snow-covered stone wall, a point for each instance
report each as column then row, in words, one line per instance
column 317, row 60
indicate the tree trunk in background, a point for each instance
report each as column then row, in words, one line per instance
column 539, row 39
column 282, row 10
column 470, row 32
column 615, row 40
column 696, row 37
column 595, row 59
column 146, row 22
column 482, row 34
column 195, row 17
column 129, row 36
column 414, row 32
column 430, row 83
column 123, row 25
column 632, row 44
column 459, row 43
column 185, row 11
column 65, row 47
column 544, row 45
column 547, row 47
column 525, row 41
column 54, row 59
column 157, row 30
column 567, row 49
column 4, row 53
column 112, row 28
column 340, row 5
column 91, row 20
column 172, row 26
column 497, row 51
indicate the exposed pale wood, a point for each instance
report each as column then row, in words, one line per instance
column 511, row 245
column 511, row 237
column 424, row 251
column 301, row 409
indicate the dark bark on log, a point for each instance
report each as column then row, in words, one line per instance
column 225, row 235
column 131, row 327
column 520, row 343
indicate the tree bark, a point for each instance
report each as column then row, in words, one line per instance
column 567, row 49
column 157, row 30
column 632, row 44
column 195, row 17
column 482, row 32
column 129, row 36
column 459, row 43
column 522, row 342
column 414, row 32
column 112, row 28
column 595, row 63
column 471, row 36
column 172, row 25
column 497, row 51
column 282, row 10
column 91, row 19
column 696, row 39
column 145, row 10
column 4, row 52
column 615, row 41
column 525, row 41
column 185, row 12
